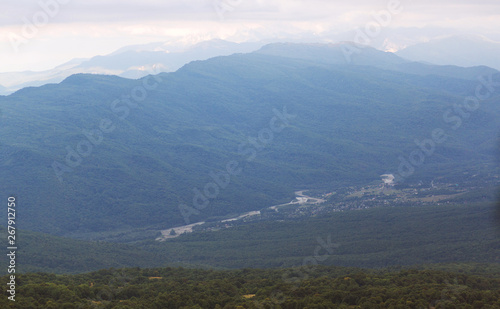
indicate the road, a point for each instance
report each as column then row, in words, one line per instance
column 300, row 199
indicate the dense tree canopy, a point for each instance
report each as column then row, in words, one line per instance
column 461, row 286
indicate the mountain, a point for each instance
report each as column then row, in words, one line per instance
column 338, row 53
column 348, row 53
column 460, row 50
column 393, row 38
column 99, row 154
column 131, row 62
column 134, row 61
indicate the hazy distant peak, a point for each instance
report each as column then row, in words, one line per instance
column 80, row 79
column 140, row 47
column 462, row 50
column 333, row 53
column 316, row 45
column 130, row 62
column 468, row 37
column 213, row 43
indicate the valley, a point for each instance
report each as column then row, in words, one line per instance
column 230, row 154
column 327, row 174
column 217, row 111
column 300, row 200
column 386, row 193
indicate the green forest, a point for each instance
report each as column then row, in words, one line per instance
column 348, row 126
column 451, row 286
column 98, row 175
column 376, row 237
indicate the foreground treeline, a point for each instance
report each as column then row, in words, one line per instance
column 460, row 286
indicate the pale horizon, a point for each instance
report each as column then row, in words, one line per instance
column 41, row 36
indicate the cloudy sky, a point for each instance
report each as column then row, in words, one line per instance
column 38, row 35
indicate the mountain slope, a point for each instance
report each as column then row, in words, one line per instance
column 347, row 125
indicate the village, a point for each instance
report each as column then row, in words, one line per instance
column 383, row 193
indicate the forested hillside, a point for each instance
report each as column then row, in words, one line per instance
column 101, row 153
column 378, row 237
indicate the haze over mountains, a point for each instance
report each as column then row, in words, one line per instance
column 460, row 50
column 250, row 154
column 102, row 153
column 133, row 61
column 137, row 61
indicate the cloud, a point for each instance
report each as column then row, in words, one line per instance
column 99, row 27
column 243, row 10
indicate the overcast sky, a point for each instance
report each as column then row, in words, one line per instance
column 68, row 29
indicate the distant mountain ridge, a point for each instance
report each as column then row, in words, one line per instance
column 129, row 62
column 348, row 53
column 335, row 53
column 460, row 50
column 137, row 61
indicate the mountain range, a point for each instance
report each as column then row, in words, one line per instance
column 136, row 61
column 97, row 154
column 133, row 61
